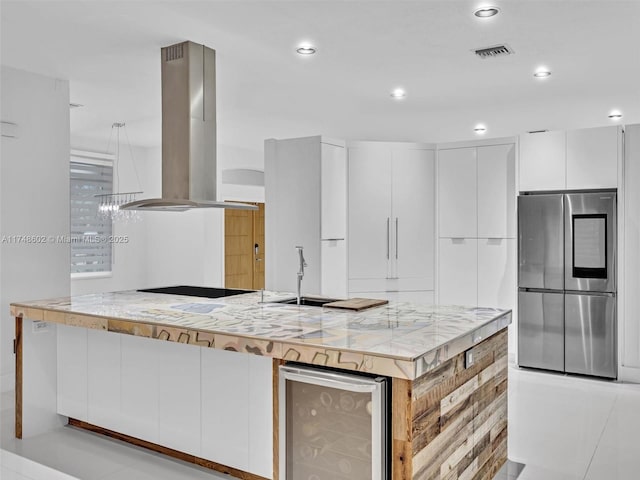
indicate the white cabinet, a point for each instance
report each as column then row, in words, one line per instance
column 305, row 204
column 496, row 191
column 333, row 192
column 391, row 217
column 457, row 193
column 413, row 207
column 72, row 372
column 139, row 384
column 103, row 367
column 210, row 403
column 225, row 404
column 370, row 219
column 573, row 160
column 476, row 192
column 592, row 158
column 334, row 259
column 477, row 220
column 179, row 397
column 542, row 161
column 458, row 279
column 496, row 272
column 261, row 415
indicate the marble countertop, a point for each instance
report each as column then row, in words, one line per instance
column 398, row 339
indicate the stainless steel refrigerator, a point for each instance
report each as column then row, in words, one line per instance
column 567, row 282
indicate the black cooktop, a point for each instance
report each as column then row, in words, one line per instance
column 197, row 291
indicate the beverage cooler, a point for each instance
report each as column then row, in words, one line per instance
column 333, row 425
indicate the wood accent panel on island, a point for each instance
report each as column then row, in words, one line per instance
column 448, row 369
column 451, row 423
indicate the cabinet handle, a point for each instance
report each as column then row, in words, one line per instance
column 396, row 238
column 388, row 242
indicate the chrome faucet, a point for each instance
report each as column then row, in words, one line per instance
column 300, row 271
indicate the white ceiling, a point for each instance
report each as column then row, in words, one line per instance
column 110, row 52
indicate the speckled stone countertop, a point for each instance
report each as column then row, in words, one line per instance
column 401, row 340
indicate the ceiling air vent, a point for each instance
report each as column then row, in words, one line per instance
column 495, row 51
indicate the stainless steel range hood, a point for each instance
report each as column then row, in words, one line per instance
column 188, row 132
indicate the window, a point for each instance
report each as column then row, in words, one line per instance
column 90, row 249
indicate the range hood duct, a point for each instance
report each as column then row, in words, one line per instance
column 188, row 132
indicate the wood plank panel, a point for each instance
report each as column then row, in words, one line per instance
column 459, row 417
column 401, row 418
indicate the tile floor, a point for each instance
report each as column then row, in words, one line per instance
column 560, row 428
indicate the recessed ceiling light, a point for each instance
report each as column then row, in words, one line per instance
column 486, row 12
column 480, row 129
column 615, row 115
column 542, row 73
column 306, row 49
column 398, row 93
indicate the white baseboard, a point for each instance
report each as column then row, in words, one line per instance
column 628, row 374
column 7, row 382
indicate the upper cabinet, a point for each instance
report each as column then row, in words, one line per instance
column 496, row 191
column 476, row 192
column 592, row 158
column 457, row 193
column 574, row 160
column 391, row 217
column 333, row 192
column 542, row 161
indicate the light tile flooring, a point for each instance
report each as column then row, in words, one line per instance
column 560, row 428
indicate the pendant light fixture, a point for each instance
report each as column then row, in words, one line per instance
column 110, row 203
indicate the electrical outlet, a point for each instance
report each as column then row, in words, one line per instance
column 468, row 358
column 40, row 327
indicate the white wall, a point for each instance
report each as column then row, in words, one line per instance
column 34, row 197
column 129, row 259
column 629, row 318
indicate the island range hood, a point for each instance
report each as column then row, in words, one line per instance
column 188, row 132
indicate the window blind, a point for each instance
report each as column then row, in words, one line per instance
column 90, row 232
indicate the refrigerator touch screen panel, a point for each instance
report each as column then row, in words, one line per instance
column 590, row 246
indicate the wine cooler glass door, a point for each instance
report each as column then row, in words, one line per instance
column 332, row 425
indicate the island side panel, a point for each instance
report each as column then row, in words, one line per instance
column 458, row 418
column 18, row 352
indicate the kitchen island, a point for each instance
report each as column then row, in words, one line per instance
column 448, row 367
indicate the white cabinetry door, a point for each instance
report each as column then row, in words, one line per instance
column 179, row 396
column 496, row 272
column 457, row 193
column 369, row 212
column 413, row 214
column 542, row 161
column 458, row 279
column 496, row 191
column 225, row 403
column 103, row 394
column 261, row 416
column 334, row 260
column 592, row 158
column 333, row 192
column 139, row 400
column 72, row 372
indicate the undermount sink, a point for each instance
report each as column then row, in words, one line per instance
column 308, row 301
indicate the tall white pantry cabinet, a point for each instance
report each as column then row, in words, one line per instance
column 477, row 224
column 391, row 221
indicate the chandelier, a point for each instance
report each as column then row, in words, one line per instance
column 110, row 203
